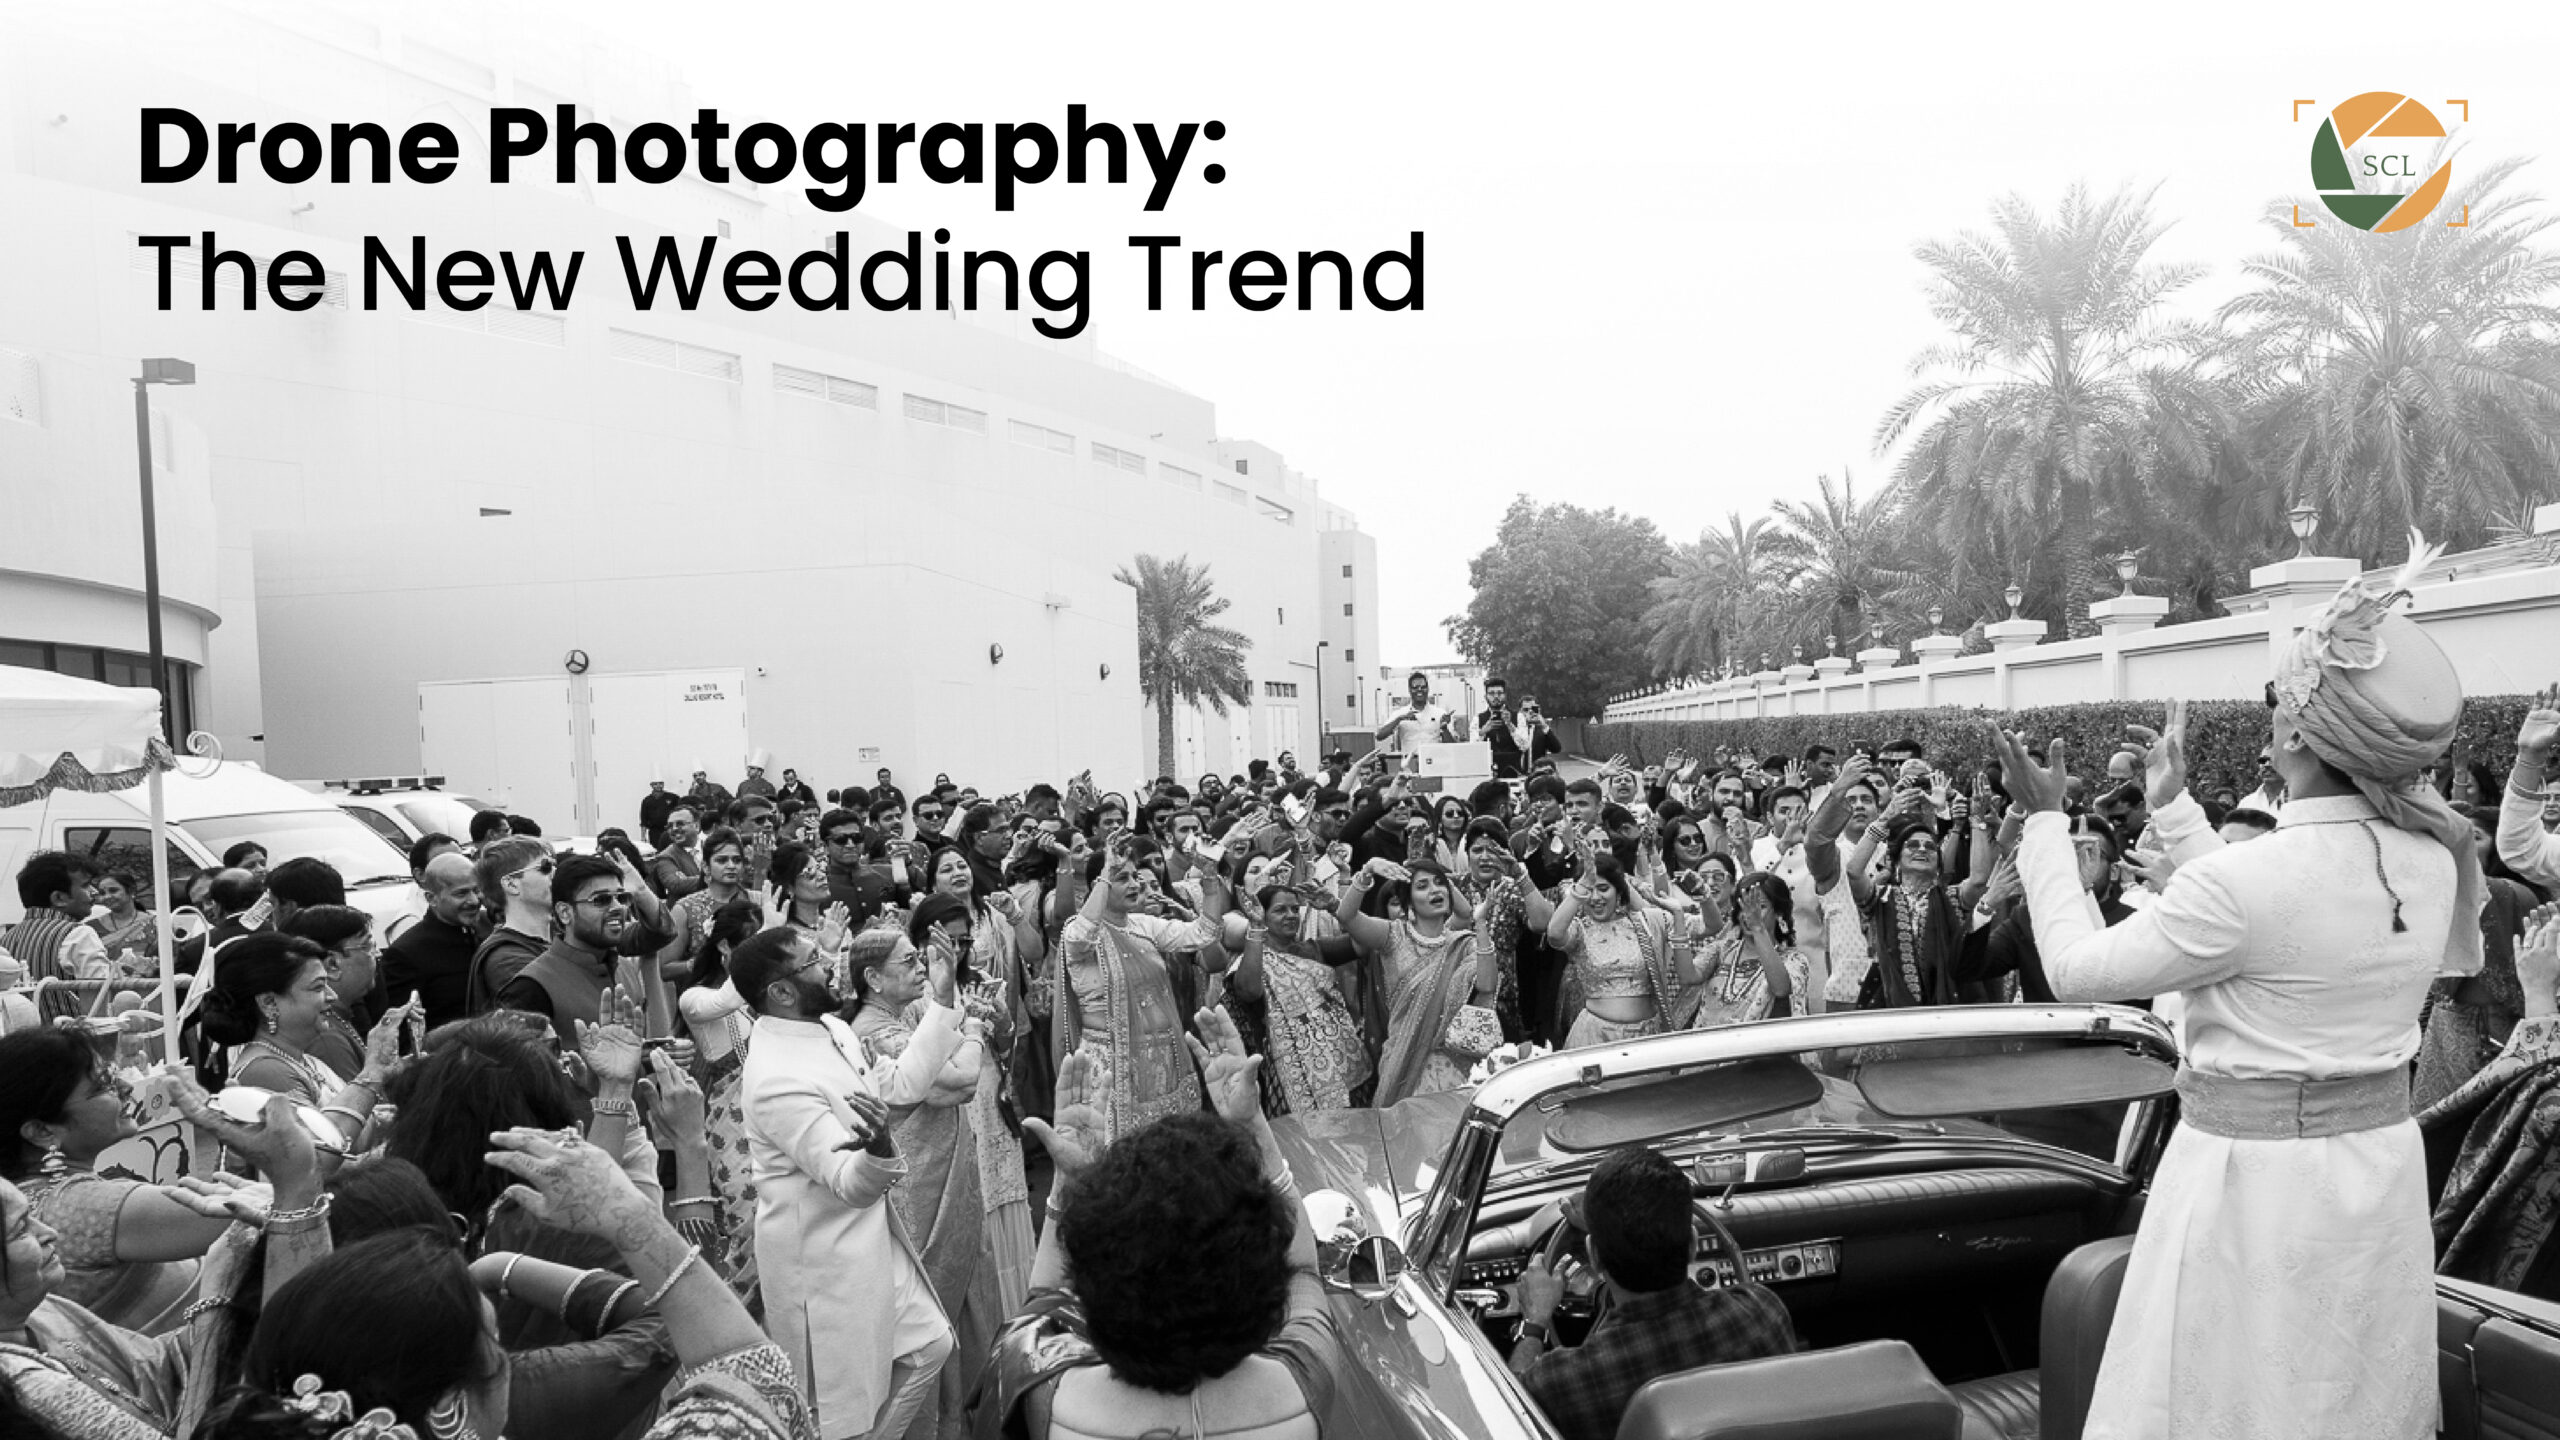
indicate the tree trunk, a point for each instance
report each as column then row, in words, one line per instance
column 1164, row 736
column 2079, row 567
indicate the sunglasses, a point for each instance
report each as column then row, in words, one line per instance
column 606, row 901
column 543, row 866
column 850, row 837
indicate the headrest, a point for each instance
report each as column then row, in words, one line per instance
column 1875, row 1391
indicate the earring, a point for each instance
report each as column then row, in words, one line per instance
column 271, row 1022
column 449, row 1419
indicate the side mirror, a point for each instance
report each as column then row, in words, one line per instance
column 1350, row 1256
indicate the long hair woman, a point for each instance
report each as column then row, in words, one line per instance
column 724, row 879
column 1626, row 960
column 722, row 1026
column 1441, row 985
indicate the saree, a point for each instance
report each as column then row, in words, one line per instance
column 940, row 1206
column 1117, row 1005
column 1317, row 1056
column 1429, row 978
column 1004, row 1187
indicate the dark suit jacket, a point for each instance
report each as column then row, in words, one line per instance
column 676, row 873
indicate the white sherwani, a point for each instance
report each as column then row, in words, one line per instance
column 2277, row 1288
column 844, row 1295
column 2522, row 842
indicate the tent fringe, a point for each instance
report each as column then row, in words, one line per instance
column 69, row 774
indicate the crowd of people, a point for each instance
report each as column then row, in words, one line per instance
column 877, row 1116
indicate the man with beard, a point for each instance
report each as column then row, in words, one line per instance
column 837, row 1270
column 432, row 958
column 592, row 908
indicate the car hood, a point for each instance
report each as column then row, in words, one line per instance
column 1384, row 1159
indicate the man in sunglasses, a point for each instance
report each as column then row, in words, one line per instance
column 593, row 907
column 515, row 889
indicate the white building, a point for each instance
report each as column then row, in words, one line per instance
column 526, row 547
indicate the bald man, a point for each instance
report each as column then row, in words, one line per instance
column 432, row 959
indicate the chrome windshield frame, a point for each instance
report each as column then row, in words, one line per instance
column 1436, row 1238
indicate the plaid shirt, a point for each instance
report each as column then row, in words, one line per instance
column 1585, row 1390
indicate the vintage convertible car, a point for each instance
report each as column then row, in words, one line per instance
column 1944, row 1198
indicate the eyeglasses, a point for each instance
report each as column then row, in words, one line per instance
column 1689, row 837
column 545, row 865
column 850, row 837
column 606, row 901
column 929, row 814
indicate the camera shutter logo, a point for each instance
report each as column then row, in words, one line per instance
column 2366, row 146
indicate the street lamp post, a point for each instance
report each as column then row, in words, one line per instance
column 161, row 371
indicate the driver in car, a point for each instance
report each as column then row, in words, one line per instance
column 1657, row 1321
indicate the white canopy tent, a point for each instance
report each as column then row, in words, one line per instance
column 61, row 733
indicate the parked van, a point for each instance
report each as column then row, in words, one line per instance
column 237, row 802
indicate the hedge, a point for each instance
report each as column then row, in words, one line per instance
column 2223, row 736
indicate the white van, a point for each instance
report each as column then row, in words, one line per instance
column 206, row 817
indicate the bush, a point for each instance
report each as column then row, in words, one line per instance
column 2223, row 736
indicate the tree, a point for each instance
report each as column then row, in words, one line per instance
column 1559, row 603
column 2405, row 380
column 1703, row 608
column 1182, row 658
column 1843, row 563
column 2049, row 391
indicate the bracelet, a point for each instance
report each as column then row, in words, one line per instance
column 607, row 1105
column 287, row 1221
column 692, row 1257
column 569, row 1297
column 203, row 1307
column 693, row 1200
column 604, row 1317
column 508, row 1274
column 1876, row 830
column 341, row 1112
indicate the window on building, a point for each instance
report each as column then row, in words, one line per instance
column 956, row 417
column 1350, row 657
column 1240, row 467
column 1187, row 479
column 1280, row 689
column 1232, row 494
column 818, row 385
column 1129, row 460
column 114, row 667
column 1346, row 572
column 1346, row 607
column 668, row 354
column 1350, row 702
column 1041, row 437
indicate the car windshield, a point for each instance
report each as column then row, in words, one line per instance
column 439, row 814
column 359, row 855
column 2070, row 1094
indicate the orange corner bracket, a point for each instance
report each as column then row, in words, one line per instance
column 2466, row 109
column 2298, row 104
column 2462, row 224
column 2298, row 222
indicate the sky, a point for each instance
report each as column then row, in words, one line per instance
column 1669, row 247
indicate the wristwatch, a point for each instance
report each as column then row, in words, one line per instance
column 1539, row 1330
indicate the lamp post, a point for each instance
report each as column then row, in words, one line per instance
column 161, row 371
column 2128, row 568
column 2305, row 523
column 2013, row 595
column 1937, row 619
column 1321, row 728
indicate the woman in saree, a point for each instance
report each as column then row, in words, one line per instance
column 938, row 1203
column 1314, row 1049
column 129, row 930
column 1116, row 997
column 721, row 1024
column 982, row 931
column 1753, row 968
column 1505, row 905
column 1627, row 960
column 1441, row 986
column 724, row 878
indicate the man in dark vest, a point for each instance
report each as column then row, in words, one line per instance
column 50, row 942
column 592, row 906
column 514, row 877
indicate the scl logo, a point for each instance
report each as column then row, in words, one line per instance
column 2366, row 147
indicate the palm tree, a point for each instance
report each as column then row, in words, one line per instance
column 2047, row 396
column 2409, row 379
column 1843, row 563
column 1182, row 658
column 1703, row 608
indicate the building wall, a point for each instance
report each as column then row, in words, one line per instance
column 663, row 477
column 1347, row 587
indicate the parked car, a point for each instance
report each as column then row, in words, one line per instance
column 406, row 809
column 1963, row 1182
column 206, row 817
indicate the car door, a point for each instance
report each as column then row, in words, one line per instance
column 127, row 848
column 2497, row 1362
column 381, row 824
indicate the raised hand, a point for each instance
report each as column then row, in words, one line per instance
column 1074, row 1139
column 568, row 1182
column 2034, row 787
column 2538, row 960
column 2005, row 885
column 2163, row 756
column 2541, row 733
column 611, row 1046
column 674, row 1103
column 2151, row 867
column 1226, row 1071
column 221, row 1196
column 382, row 1042
column 832, row 926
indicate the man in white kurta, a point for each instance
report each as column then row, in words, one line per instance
column 844, row 1293
column 2528, row 849
column 2278, row 1287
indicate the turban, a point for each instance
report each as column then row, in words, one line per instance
column 2378, row 700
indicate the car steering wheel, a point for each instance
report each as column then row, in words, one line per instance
column 1569, row 1244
